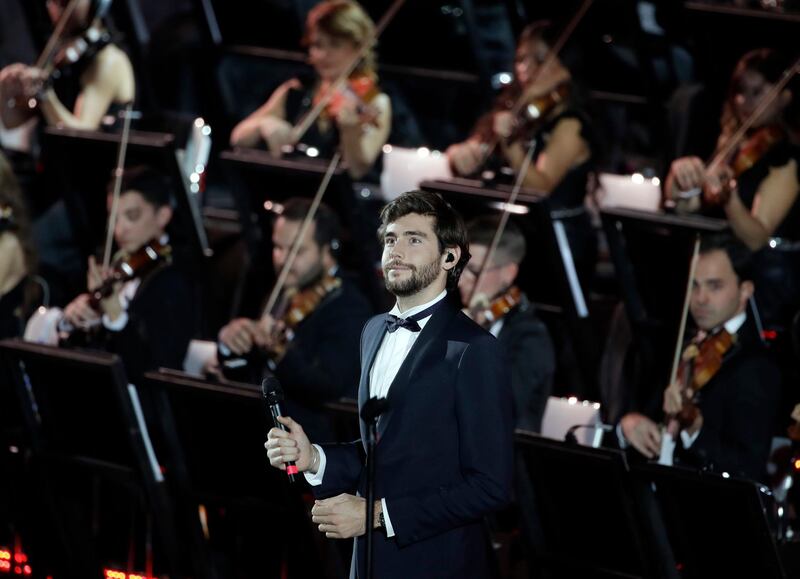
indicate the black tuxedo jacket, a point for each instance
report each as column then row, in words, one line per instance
column 739, row 406
column 444, row 453
column 531, row 361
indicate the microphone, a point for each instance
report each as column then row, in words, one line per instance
column 570, row 437
column 273, row 395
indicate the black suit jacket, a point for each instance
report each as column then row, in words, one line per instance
column 532, row 363
column 444, row 456
column 739, row 406
column 321, row 362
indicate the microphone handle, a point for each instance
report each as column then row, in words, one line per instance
column 291, row 467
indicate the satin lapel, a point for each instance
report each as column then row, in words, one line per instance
column 372, row 341
column 426, row 341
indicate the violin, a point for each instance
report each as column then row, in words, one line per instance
column 488, row 314
column 304, row 302
column 137, row 264
column 751, row 151
column 700, row 361
column 363, row 88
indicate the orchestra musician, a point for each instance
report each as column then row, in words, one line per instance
column 148, row 317
column 758, row 187
column 310, row 341
column 357, row 121
column 502, row 308
column 444, row 459
column 730, row 379
column 551, row 120
column 17, row 256
column 91, row 77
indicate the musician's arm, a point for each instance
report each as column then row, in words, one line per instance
column 776, row 195
column 248, row 132
column 362, row 143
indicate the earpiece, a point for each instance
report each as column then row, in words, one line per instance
column 450, row 258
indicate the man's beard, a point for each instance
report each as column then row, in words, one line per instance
column 419, row 279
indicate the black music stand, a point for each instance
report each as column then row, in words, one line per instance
column 595, row 522
column 214, row 436
column 716, row 525
column 651, row 253
column 83, row 163
column 88, row 437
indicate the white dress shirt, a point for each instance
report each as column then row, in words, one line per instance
column 390, row 356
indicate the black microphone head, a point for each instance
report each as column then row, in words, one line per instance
column 272, row 390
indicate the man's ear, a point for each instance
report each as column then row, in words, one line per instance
column 450, row 257
column 746, row 290
column 164, row 216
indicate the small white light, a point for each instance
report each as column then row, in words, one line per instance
column 365, row 193
column 510, row 207
column 13, row 449
column 725, row 475
column 596, row 406
column 504, row 78
column 194, row 178
column 423, row 151
column 572, row 400
column 655, row 181
column 42, row 310
column 199, row 122
column 637, row 178
column 206, row 130
column 199, row 168
column 194, row 188
column 268, row 205
column 773, row 244
column 312, row 152
column 436, row 154
column 387, row 148
column 780, row 511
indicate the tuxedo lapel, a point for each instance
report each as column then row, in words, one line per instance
column 419, row 351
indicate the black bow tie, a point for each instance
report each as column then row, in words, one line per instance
column 411, row 322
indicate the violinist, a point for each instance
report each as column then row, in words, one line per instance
column 728, row 383
column 357, row 121
column 757, row 187
column 505, row 311
column 310, row 340
column 552, row 121
column 90, row 75
column 147, row 317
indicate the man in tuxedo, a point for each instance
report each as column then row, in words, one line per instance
column 316, row 360
column 444, row 452
column 737, row 406
column 512, row 320
column 149, row 319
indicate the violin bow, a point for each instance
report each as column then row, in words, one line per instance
column 765, row 102
column 676, row 360
column 520, row 101
column 118, row 171
column 311, row 116
column 298, row 240
column 48, row 52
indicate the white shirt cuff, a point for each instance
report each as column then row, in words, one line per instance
column 688, row 439
column 386, row 520
column 316, row 479
column 116, row 325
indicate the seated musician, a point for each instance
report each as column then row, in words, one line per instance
column 357, row 121
column 562, row 165
column 310, row 341
column 16, row 253
column 732, row 382
column 93, row 76
column 757, row 187
column 500, row 307
column 148, row 319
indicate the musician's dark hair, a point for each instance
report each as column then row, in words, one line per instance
column 510, row 249
column 447, row 225
column 328, row 228
column 155, row 187
column 741, row 257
